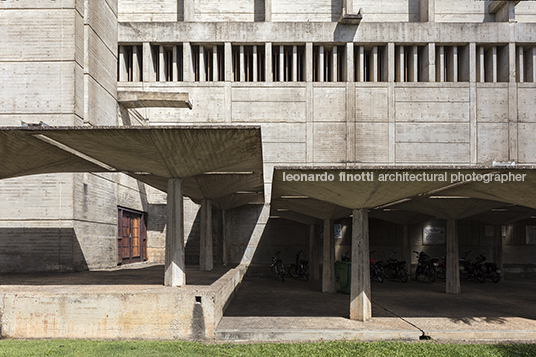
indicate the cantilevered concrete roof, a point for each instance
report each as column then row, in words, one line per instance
column 221, row 163
column 334, row 197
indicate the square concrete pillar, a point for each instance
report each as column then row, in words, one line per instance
column 215, row 70
column 206, row 257
column 328, row 267
column 189, row 10
column 187, row 63
column 255, row 64
column 308, row 62
column 123, row 72
column 148, row 68
column 268, row 61
column 350, row 69
column 174, row 256
column 391, row 62
column 453, row 265
column 175, row 64
column 228, row 61
column 161, row 64
column 135, row 64
column 321, row 64
column 360, row 304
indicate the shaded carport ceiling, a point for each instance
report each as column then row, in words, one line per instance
column 295, row 195
column 223, row 163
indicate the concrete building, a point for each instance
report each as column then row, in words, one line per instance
column 347, row 88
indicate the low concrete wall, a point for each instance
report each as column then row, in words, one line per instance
column 116, row 311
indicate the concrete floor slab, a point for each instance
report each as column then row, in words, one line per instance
column 265, row 309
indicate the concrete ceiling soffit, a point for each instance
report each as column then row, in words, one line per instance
column 296, row 217
column 310, row 207
column 220, row 185
column 23, row 155
column 399, row 216
column 522, row 193
column 356, row 194
column 448, row 208
column 503, row 216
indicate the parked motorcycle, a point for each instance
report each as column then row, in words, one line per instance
column 426, row 266
column 300, row 268
column 470, row 269
column 491, row 270
column 376, row 269
column 396, row 269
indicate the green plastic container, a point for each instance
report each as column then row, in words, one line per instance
column 342, row 271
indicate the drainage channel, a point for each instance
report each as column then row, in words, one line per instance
column 424, row 336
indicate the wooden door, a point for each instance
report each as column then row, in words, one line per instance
column 131, row 237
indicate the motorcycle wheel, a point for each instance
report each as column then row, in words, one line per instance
column 495, row 277
column 480, row 276
column 293, row 271
column 403, row 275
column 431, row 274
column 441, row 274
column 390, row 272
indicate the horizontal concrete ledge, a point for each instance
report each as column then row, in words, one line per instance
column 495, row 335
column 143, row 99
column 314, row 335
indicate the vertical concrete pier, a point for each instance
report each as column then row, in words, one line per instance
column 360, row 305
column 174, row 260
column 206, row 258
column 453, row 265
column 328, row 267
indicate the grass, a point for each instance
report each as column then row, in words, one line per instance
column 84, row 348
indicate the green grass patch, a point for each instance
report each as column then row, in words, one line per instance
column 337, row 349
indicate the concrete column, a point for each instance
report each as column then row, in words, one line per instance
column 453, row 64
column 215, row 68
column 328, row 267
column 148, row 68
column 373, row 65
column 189, row 10
column 174, row 255
column 531, row 65
column 228, row 64
column 242, row 65
column 135, row 64
column 161, row 64
column 467, row 70
column 202, row 72
column 427, row 10
column 413, row 64
column 360, row 305
column 187, row 63
column 400, row 64
column 268, row 62
column 428, row 73
column 406, row 247
column 281, row 63
column 453, row 265
column 334, row 64
column 491, row 65
column 308, row 62
column 509, row 73
column 498, row 247
column 480, row 65
column 255, row 64
column 206, row 256
column 313, row 261
column 321, row 63
column 520, row 65
column 226, row 237
column 361, row 64
column 350, row 67
column 175, row 65
column 294, row 63
column 123, row 72
column 441, row 64
column 391, row 62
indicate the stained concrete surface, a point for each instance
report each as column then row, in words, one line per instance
column 268, row 309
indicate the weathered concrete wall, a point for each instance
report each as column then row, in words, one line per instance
column 151, row 10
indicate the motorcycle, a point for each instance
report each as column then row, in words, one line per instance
column 376, row 269
column 394, row 269
column 491, row 270
column 470, row 269
column 426, row 266
column 300, row 268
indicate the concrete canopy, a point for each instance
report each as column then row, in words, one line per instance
column 214, row 162
column 372, row 192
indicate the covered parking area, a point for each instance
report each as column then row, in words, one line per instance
column 404, row 195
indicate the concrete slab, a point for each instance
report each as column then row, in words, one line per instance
column 265, row 309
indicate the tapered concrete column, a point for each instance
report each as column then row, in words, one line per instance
column 174, row 257
column 321, row 64
column 187, row 63
column 135, row 64
column 206, row 256
column 175, row 65
column 161, row 64
column 350, row 67
column 453, row 265
column 255, row 64
column 360, row 305
column 308, row 62
column 123, row 72
column 148, row 68
column 328, row 267
column 313, row 260
column 268, row 61
column 498, row 247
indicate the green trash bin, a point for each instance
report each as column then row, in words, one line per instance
column 342, row 271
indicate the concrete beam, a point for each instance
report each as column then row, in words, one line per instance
column 206, row 256
column 360, row 303
column 453, row 266
column 328, row 267
column 174, row 256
